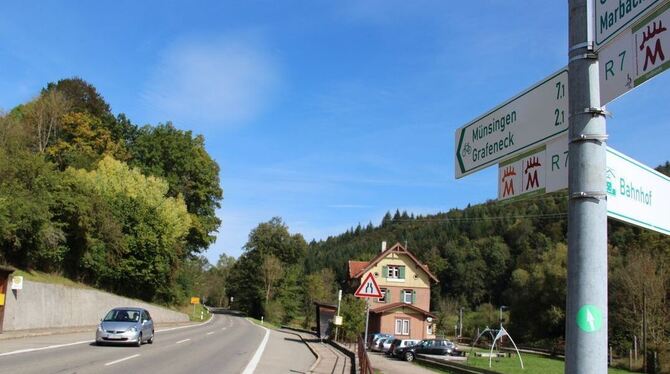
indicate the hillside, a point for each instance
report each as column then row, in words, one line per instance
column 514, row 254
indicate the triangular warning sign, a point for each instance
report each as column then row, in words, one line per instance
column 369, row 288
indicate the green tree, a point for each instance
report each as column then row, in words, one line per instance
column 29, row 235
column 154, row 227
column 43, row 117
column 246, row 283
column 352, row 310
column 321, row 287
column 181, row 159
column 83, row 141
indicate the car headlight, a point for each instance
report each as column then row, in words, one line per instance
column 100, row 328
column 133, row 329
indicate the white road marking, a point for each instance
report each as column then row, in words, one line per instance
column 121, row 360
column 43, row 348
column 251, row 366
column 188, row 326
column 182, row 341
column 210, row 333
column 223, row 328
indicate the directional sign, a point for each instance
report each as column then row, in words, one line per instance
column 369, row 288
column 543, row 169
column 637, row 55
column 637, row 194
column 611, row 17
column 526, row 121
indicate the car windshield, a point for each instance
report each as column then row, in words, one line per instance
column 122, row 315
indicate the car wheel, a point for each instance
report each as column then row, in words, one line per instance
column 409, row 356
column 151, row 339
column 139, row 341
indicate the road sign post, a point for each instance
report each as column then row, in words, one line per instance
column 526, row 121
column 586, row 349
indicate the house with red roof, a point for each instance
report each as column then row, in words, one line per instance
column 404, row 310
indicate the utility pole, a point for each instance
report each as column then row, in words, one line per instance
column 339, row 300
column 586, row 319
column 460, row 322
column 644, row 329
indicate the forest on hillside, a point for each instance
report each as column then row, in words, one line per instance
column 515, row 254
column 103, row 201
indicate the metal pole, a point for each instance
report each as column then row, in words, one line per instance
column 367, row 319
column 586, row 319
column 644, row 329
column 339, row 299
column 460, row 321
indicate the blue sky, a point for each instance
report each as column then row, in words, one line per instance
column 326, row 113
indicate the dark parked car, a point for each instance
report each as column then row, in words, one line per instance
column 399, row 344
column 373, row 340
column 428, row 347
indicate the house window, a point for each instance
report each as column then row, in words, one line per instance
column 383, row 299
column 395, row 272
column 402, row 327
column 408, row 296
column 429, row 329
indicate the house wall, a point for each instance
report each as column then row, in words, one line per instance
column 418, row 325
column 415, row 279
column 422, row 296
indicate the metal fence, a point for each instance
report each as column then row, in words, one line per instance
column 363, row 359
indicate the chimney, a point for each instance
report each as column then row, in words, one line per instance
column 383, row 246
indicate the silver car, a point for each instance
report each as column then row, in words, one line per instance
column 126, row 326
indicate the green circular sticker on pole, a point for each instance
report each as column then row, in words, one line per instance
column 589, row 318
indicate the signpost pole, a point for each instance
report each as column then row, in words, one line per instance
column 586, row 320
column 339, row 300
column 367, row 319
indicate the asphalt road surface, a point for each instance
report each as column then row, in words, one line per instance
column 225, row 344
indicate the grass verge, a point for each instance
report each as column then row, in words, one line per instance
column 195, row 312
column 510, row 365
column 38, row 276
column 264, row 323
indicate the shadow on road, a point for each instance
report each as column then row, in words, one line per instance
column 227, row 311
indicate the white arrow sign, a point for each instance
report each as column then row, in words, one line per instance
column 637, row 55
column 526, row 121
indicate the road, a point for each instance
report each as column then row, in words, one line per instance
column 225, row 344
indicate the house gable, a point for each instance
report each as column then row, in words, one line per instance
column 401, row 253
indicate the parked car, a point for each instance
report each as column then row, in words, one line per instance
column 427, row 346
column 399, row 344
column 125, row 326
column 374, row 341
column 385, row 344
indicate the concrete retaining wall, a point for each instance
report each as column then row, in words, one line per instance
column 43, row 305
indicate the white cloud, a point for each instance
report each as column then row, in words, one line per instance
column 222, row 82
